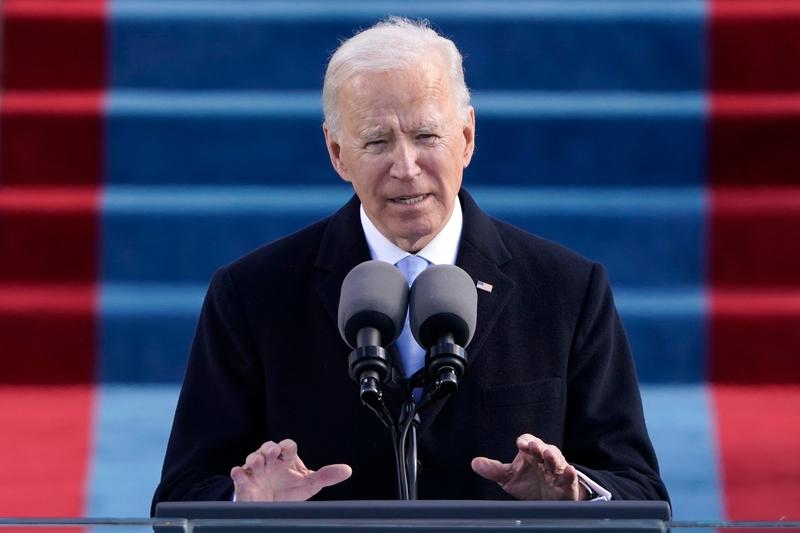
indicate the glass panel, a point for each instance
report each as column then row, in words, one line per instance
column 87, row 525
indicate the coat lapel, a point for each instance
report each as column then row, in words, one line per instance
column 343, row 246
column 481, row 254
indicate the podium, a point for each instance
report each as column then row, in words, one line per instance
column 420, row 515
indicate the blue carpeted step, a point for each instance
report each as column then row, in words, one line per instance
column 527, row 138
column 134, row 421
column 566, row 45
column 648, row 236
column 146, row 331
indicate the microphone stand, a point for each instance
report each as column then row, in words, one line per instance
column 409, row 426
column 407, row 443
column 443, row 359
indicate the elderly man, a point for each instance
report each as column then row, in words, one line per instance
column 549, row 407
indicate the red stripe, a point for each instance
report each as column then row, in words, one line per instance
column 755, row 105
column 62, row 299
column 52, row 103
column 752, row 9
column 759, row 438
column 50, row 200
column 44, row 452
column 54, row 8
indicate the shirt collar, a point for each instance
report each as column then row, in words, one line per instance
column 442, row 250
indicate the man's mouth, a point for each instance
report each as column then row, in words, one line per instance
column 409, row 200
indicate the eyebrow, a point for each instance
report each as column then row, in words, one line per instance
column 377, row 132
column 373, row 133
column 428, row 127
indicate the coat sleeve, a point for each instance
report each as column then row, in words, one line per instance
column 220, row 417
column 605, row 433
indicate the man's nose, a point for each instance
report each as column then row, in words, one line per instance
column 404, row 161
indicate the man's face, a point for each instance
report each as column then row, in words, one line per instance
column 404, row 148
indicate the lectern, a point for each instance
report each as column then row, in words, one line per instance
column 421, row 515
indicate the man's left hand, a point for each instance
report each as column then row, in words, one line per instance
column 538, row 472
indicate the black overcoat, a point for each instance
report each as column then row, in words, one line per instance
column 549, row 357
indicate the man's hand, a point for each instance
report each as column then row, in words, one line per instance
column 538, row 472
column 274, row 472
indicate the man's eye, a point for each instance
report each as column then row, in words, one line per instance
column 374, row 143
column 427, row 136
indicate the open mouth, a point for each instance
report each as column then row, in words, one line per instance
column 410, row 200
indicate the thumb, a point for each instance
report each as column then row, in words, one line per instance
column 490, row 469
column 331, row 475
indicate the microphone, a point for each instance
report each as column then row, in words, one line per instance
column 443, row 308
column 372, row 310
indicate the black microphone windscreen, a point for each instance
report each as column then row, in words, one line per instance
column 374, row 294
column 443, row 300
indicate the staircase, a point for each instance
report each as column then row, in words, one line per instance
column 144, row 143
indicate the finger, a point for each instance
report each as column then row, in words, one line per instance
column 491, row 469
column 532, row 447
column 570, row 475
column 554, row 460
column 266, row 446
column 288, row 449
column 255, row 461
column 331, row 475
column 524, row 439
column 270, row 451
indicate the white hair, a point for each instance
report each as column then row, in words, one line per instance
column 393, row 43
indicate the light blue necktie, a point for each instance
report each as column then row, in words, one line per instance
column 411, row 353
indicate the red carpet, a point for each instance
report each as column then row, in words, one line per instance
column 45, row 450
column 759, row 438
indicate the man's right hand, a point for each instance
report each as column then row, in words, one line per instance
column 275, row 473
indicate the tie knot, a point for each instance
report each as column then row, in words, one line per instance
column 411, row 266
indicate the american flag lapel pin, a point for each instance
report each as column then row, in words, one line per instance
column 482, row 285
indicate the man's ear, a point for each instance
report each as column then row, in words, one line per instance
column 469, row 137
column 334, row 152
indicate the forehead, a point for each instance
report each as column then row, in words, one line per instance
column 415, row 96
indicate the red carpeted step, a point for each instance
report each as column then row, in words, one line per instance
column 47, row 334
column 51, row 138
column 759, row 440
column 755, row 336
column 49, row 234
column 53, row 44
column 754, row 139
column 754, row 45
column 44, row 455
column 755, row 284
column 755, row 237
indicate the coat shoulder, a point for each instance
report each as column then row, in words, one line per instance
column 292, row 254
column 544, row 255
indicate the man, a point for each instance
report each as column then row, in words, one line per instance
column 549, row 407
